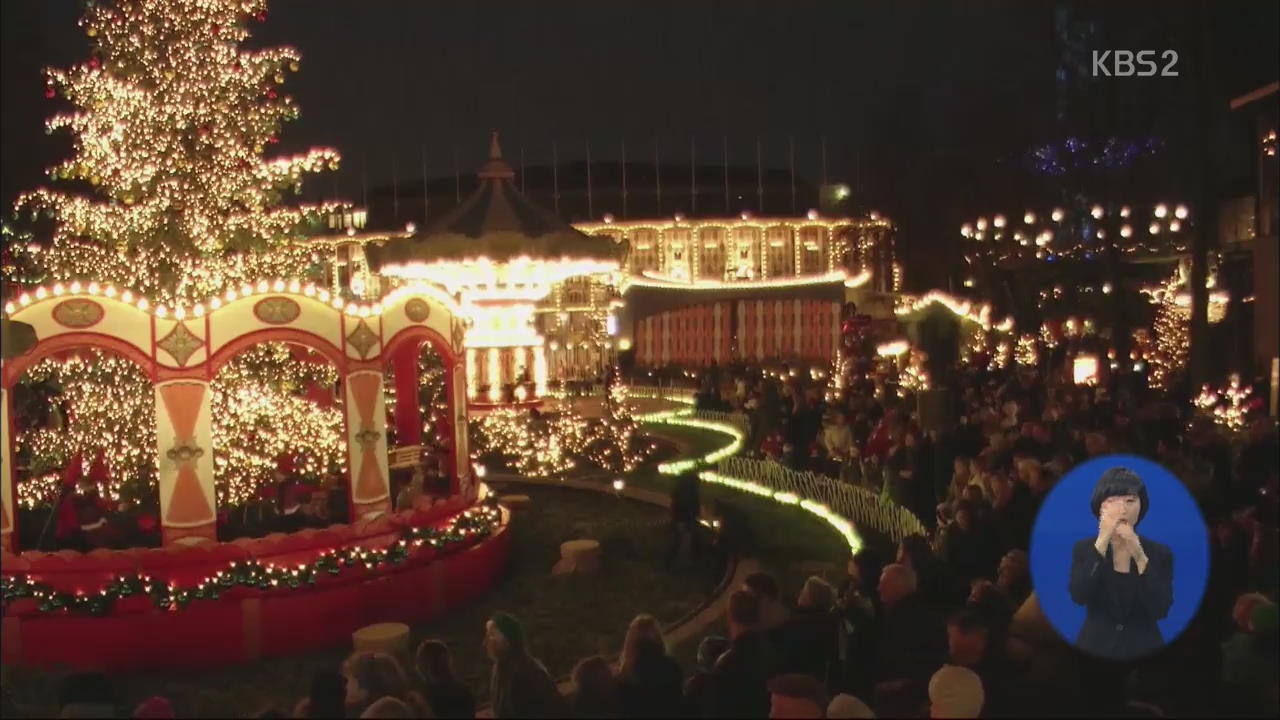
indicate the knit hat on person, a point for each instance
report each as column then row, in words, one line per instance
column 845, row 706
column 156, row 708
column 511, row 629
column 955, row 692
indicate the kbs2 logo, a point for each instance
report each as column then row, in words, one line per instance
column 1126, row 63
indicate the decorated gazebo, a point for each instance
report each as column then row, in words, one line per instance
column 497, row 255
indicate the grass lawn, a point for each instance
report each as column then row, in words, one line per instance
column 566, row 618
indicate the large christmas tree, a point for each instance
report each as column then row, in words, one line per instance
column 168, row 193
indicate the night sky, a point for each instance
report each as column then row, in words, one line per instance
column 928, row 108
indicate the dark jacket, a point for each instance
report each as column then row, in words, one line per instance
column 911, row 643
column 1121, row 608
column 654, row 688
column 739, row 679
column 521, row 688
column 450, row 700
column 807, row 643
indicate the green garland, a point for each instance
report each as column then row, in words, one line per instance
column 462, row 531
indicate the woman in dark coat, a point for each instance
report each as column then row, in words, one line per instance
column 1125, row 581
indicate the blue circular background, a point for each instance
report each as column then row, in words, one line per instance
column 1065, row 518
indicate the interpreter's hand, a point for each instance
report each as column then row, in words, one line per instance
column 1106, row 528
column 1125, row 534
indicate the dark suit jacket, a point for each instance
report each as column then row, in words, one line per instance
column 1122, row 608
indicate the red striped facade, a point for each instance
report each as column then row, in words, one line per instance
column 767, row 330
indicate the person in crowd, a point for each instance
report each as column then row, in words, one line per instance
column 848, row 707
column 390, row 707
column 734, row 537
column 955, row 692
column 154, row 708
column 764, row 586
column 1250, row 662
column 87, row 695
column 696, row 687
column 1012, row 511
column 910, row 637
column 807, row 642
column 444, row 692
column 519, row 686
column 970, row 645
column 595, row 690
column 796, row 695
column 960, row 479
column 837, row 440
column 327, row 699
column 1013, row 575
column 650, row 682
column 966, row 548
column 936, row 582
column 372, row 676
column 686, row 508
column 737, row 686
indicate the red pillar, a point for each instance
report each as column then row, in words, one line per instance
column 404, row 363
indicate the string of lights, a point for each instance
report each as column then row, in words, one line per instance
column 462, row 531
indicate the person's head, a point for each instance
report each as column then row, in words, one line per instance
column 914, row 552
column 743, row 613
column 795, row 695
column 1001, row 489
column 967, row 636
column 434, row 661
column 371, row 676
column 1242, row 612
column 848, row 707
column 965, row 512
column 504, row 635
column 974, row 496
column 1095, row 444
column 960, row 472
column 643, row 635
column 710, row 650
column 896, row 583
column 955, row 692
column 155, row 708
column 1014, row 569
column 1121, row 491
column 328, row 696
column 593, row 679
column 388, row 707
column 765, row 587
column 817, row 594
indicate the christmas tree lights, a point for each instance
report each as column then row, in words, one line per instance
column 169, row 193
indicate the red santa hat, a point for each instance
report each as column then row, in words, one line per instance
column 74, row 471
column 98, row 473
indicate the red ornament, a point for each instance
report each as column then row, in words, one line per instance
column 217, row 29
column 147, row 523
column 271, row 94
column 50, row 92
column 273, row 139
column 261, row 17
column 93, row 63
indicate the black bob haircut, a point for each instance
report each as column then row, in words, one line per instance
column 1118, row 482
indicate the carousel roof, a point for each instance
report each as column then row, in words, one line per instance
column 499, row 223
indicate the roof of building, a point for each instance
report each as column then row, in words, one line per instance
column 499, row 223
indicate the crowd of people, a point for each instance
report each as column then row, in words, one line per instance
column 947, row 625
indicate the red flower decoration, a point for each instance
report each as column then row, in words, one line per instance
column 50, row 92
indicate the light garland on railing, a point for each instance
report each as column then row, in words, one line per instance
column 840, row 524
column 462, row 531
column 684, row 418
column 961, row 308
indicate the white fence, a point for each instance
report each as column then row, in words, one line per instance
column 858, row 505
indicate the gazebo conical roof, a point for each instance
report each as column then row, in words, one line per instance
column 497, row 222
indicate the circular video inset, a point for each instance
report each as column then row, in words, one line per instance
column 1119, row 557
